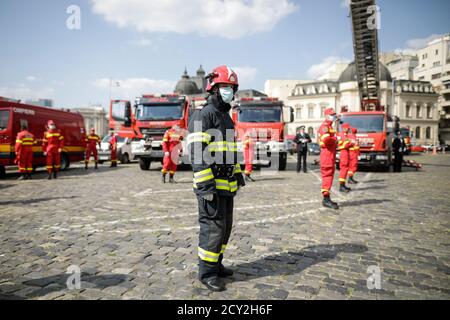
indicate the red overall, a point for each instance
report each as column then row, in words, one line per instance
column 354, row 154
column 52, row 143
column 344, row 145
column 171, row 143
column 91, row 147
column 327, row 137
column 248, row 148
column 113, row 147
column 24, row 151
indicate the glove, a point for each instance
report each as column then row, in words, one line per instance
column 167, row 153
column 16, row 160
column 209, row 197
column 45, row 153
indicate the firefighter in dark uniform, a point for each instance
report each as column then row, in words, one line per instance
column 217, row 174
column 302, row 139
column 399, row 148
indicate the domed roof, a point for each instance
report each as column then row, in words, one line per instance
column 186, row 85
column 349, row 74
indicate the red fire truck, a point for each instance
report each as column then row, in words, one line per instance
column 147, row 121
column 13, row 114
column 264, row 116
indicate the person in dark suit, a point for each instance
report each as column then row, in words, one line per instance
column 302, row 139
column 399, row 148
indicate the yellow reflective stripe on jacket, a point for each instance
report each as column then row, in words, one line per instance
column 224, row 247
column 27, row 143
column 222, row 146
column 49, row 135
column 198, row 137
column 237, row 168
column 323, row 136
column 203, row 176
column 226, row 185
column 19, row 141
column 208, row 255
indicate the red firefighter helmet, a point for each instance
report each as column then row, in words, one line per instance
column 345, row 126
column 354, row 130
column 50, row 122
column 329, row 112
column 222, row 75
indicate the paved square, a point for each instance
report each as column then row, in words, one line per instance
column 134, row 238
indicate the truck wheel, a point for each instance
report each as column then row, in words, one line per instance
column 144, row 164
column 2, row 172
column 64, row 162
column 283, row 162
column 125, row 158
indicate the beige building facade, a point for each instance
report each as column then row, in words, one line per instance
column 94, row 117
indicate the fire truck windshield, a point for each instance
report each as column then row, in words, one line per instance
column 159, row 112
column 367, row 123
column 259, row 114
column 4, row 119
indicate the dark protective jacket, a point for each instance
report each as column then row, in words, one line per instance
column 302, row 147
column 213, row 151
column 398, row 146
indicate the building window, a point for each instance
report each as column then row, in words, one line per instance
column 425, row 56
column 421, row 78
column 311, row 132
column 408, row 111
column 298, row 113
column 322, row 112
column 418, row 133
column 435, row 76
column 429, row 113
column 437, row 51
column 436, row 64
column 419, row 112
column 310, row 112
column 428, row 133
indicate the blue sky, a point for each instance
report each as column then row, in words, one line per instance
column 147, row 46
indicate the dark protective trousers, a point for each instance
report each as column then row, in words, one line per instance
column 216, row 220
column 398, row 162
column 301, row 156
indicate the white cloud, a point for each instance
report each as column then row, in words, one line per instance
column 142, row 42
column 413, row 45
column 32, row 78
column 230, row 19
column 318, row 70
column 245, row 74
column 134, row 87
column 23, row 92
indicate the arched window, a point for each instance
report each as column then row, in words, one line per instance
column 311, row 132
column 418, row 133
column 429, row 113
column 419, row 111
column 428, row 133
column 408, row 111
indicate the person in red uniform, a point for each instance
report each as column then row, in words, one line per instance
column 354, row 154
column 113, row 148
column 92, row 141
column 24, row 152
column 171, row 147
column 248, row 148
column 328, row 141
column 52, row 145
column 344, row 146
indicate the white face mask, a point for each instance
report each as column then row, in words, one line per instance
column 52, row 127
column 227, row 94
column 332, row 118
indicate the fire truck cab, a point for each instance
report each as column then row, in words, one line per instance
column 266, row 118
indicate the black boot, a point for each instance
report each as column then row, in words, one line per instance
column 49, row 176
column 214, row 284
column 225, row 272
column 163, row 178
column 23, row 177
column 249, row 178
column 96, row 166
column 55, row 175
column 29, row 176
column 171, row 179
column 352, row 181
column 85, row 166
column 327, row 203
column 344, row 189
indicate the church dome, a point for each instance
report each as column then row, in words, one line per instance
column 349, row 74
column 186, row 85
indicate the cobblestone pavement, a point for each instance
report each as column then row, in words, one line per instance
column 134, row 238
